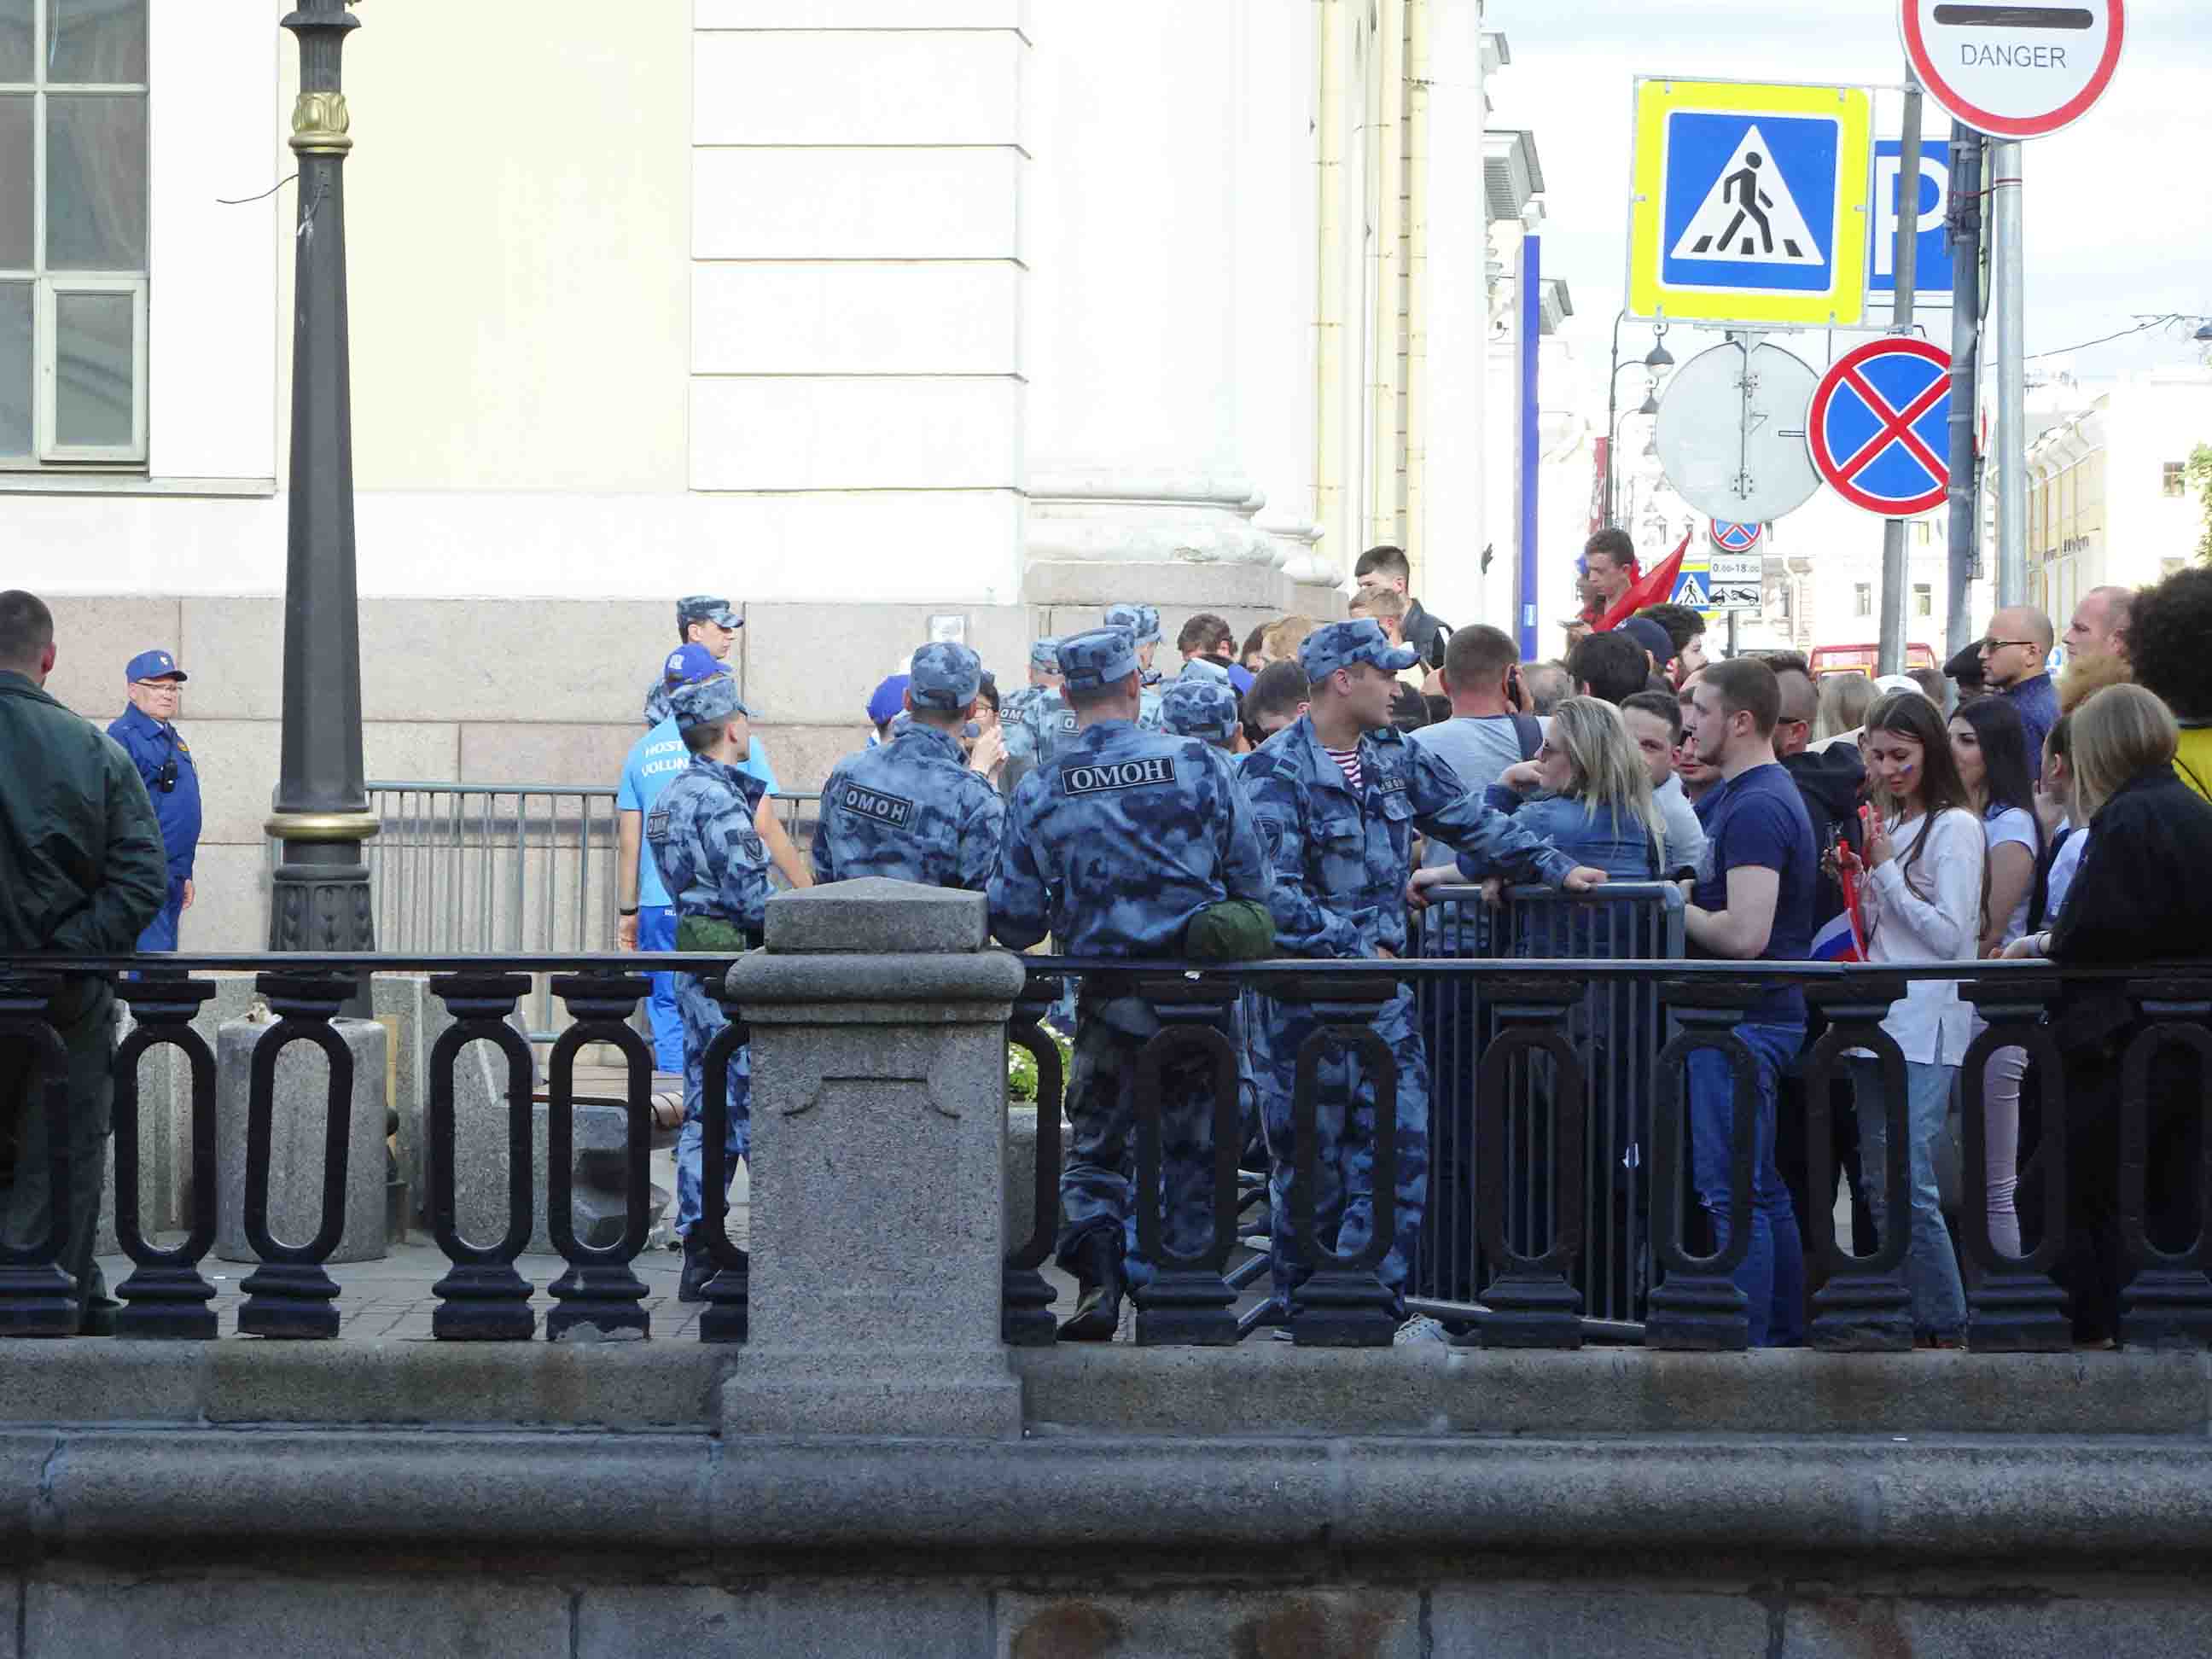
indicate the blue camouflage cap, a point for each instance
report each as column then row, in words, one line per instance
column 701, row 702
column 1096, row 659
column 1205, row 668
column 153, row 666
column 1045, row 654
column 1141, row 622
column 689, row 663
column 945, row 676
column 1198, row 707
column 704, row 607
column 1339, row 645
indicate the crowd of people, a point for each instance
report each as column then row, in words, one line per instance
column 1303, row 793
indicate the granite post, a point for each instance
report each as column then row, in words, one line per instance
column 878, row 1016
column 298, row 1128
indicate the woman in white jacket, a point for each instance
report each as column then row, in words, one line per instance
column 1926, row 886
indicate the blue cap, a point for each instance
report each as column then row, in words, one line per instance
column 1196, row 706
column 1094, row 659
column 1648, row 634
column 701, row 702
column 946, row 676
column 1141, row 622
column 687, row 664
column 704, row 607
column 153, row 665
column 887, row 699
column 1339, row 645
column 1045, row 654
column 1205, row 668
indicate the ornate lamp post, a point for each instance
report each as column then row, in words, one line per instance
column 321, row 901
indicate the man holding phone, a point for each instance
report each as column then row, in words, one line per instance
column 1490, row 727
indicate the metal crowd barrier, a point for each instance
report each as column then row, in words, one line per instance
column 1615, row 1028
column 505, row 869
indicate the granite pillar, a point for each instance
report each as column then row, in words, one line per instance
column 878, row 1130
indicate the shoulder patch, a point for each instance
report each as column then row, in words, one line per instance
column 656, row 825
column 1117, row 774
column 1068, row 722
column 895, row 810
column 1389, row 783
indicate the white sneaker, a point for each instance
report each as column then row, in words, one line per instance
column 1417, row 1329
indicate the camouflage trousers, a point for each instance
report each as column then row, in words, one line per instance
column 703, row 1019
column 1344, row 1140
column 1099, row 1177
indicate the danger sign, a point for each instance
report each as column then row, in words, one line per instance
column 2017, row 70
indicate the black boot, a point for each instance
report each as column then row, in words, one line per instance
column 699, row 1266
column 1097, row 1266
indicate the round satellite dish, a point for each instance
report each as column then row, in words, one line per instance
column 1731, row 432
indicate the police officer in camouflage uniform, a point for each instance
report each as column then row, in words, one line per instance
column 1044, row 676
column 1142, row 624
column 1116, row 848
column 705, row 833
column 700, row 620
column 914, row 808
column 1340, row 795
column 1202, row 706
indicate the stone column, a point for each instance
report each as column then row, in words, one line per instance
column 1140, row 484
column 878, row 1123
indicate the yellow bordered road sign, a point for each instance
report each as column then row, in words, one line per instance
column 1749, row 203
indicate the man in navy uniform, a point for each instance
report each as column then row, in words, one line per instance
column 915, row 808
column 1117, row 847
column 149, row 735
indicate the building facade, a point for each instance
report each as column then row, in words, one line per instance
column 881, row 317
column 2110, row 501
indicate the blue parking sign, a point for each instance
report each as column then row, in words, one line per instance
column 1933, row 275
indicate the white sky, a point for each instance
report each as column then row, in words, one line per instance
column 2118, row 206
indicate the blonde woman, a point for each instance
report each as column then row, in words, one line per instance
column 1587, row 792
column 2139, row 896
column 1844, row 701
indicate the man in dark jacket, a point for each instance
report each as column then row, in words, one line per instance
column 82, row 870
column 1388, row 570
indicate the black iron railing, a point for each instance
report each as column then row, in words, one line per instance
column 1537, row 1068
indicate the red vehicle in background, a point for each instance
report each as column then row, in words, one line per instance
column 1862, row 659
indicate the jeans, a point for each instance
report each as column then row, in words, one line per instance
column 1931, row 1269
column 656, row 930
column 1771, row 1275
column 2001, row 1082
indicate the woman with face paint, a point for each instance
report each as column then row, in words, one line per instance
column 1926, row 870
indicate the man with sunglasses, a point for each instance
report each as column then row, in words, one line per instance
column 149, row 735
column 2014, row 665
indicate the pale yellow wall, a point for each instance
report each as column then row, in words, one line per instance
column 518, row 229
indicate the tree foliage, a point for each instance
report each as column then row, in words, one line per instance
column 2200, row 479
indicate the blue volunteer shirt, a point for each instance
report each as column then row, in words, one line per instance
column 656, row 760
column 1758, row 818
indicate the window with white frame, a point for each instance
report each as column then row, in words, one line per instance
column 1863, row 598
column 73, row 232
column 2173, row 478
column 1923, row 598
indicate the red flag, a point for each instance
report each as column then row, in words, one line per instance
column 1653, row 589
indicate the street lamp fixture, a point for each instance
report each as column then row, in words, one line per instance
column 1650, row 404
column 1660, row 357
column 2204, row 335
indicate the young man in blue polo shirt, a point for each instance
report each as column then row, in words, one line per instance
column 648, row 917
column 1751, row 901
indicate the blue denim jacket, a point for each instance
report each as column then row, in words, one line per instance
column 1621, row 848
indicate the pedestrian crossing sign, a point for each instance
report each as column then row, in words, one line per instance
column 1690, row 589
column 1749, row 203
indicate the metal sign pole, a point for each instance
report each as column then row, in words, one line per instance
column 1966, row 149
column 1895, row 571
column 2007, row 304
